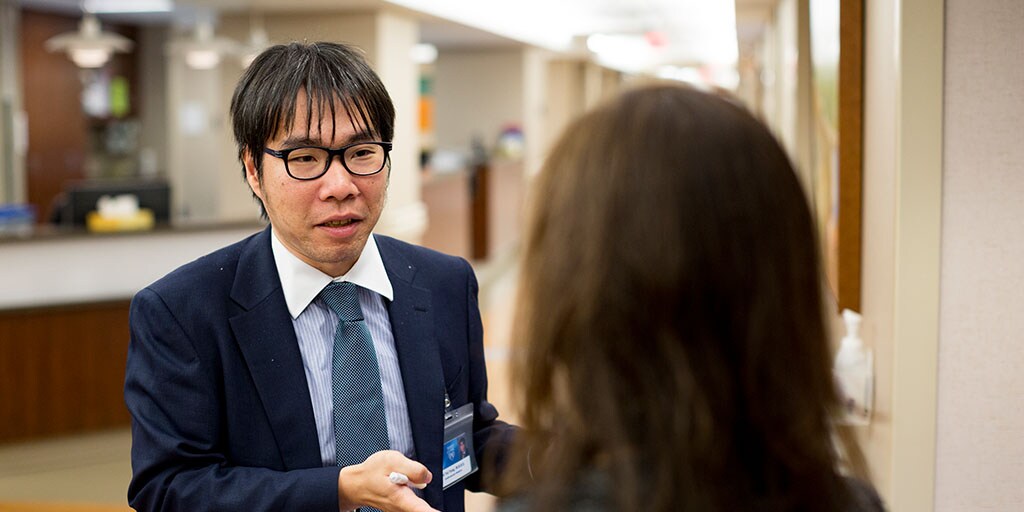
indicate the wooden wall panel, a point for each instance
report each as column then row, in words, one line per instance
column 61, row 136
column 57, row 129
column 62, row 369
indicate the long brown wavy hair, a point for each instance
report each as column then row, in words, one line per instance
column 670, row 330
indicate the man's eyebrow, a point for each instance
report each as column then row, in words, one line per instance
column 305, row 140
column 360, row 136
column 296, row 141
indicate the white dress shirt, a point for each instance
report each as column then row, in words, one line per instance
column 315, row 324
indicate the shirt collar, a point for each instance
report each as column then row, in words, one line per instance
column 301, row 283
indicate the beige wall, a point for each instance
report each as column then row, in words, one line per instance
column 980, row 452
column 476, row 92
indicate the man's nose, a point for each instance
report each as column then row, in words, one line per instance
column 338, row 183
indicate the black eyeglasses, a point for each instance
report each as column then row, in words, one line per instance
column 312, row 162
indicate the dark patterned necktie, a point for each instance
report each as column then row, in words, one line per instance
column 360, row 423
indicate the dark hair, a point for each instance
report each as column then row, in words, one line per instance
column 331, row 74
column 670, row 327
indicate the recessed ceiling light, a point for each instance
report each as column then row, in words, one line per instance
column 423, row 53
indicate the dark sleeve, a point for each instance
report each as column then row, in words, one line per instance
column 591, row 492
column 865, row 498
column 178, row 459
column 492, row 437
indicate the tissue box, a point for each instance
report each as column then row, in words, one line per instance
column 141, row 220
column 17, row 219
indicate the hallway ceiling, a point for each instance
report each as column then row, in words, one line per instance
column 630, row 33
column 633, row 35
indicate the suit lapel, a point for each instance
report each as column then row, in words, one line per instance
column 412, row 325
column 267, row 340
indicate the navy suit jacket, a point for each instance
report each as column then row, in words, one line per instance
column 221, row 412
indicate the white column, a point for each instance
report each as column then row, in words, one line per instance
column 405, row 215
column 477, row 92
column 918, row 225
column 198, row 141
column 803, row 145
column 903, row 139
column 537, row 134
column 12, row 118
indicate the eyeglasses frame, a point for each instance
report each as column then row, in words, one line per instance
column 331, row 153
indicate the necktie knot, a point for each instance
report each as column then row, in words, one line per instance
column 343, row 299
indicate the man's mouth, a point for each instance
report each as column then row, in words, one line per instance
column 338, row 223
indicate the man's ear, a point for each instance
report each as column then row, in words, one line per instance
column 251, row 175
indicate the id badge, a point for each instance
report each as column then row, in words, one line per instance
column 457, row 459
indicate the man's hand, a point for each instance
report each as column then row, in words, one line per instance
column 367, row 484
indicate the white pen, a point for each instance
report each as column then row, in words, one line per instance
column 400, row 479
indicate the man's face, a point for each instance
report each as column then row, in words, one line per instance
column 324, row 222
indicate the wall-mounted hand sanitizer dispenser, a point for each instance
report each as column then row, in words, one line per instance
column 855, row 375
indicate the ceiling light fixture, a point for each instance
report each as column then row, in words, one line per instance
column 89, row 46
column 203, row 50
column 630, row 53
column 127, row 6
column 258, row 41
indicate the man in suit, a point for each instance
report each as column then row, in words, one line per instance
column 236, row 378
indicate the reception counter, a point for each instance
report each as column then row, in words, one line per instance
column 64, row 321
column 59, row 268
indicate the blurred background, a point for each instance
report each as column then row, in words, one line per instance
column 117, row 164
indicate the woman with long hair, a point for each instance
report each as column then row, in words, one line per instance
column 672, row 349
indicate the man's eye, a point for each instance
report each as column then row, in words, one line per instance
column 303, row 157
column 364, row 152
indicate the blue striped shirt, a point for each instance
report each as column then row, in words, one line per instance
column 314, row 326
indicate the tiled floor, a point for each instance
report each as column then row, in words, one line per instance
column 87, row 469
column 90, row 473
